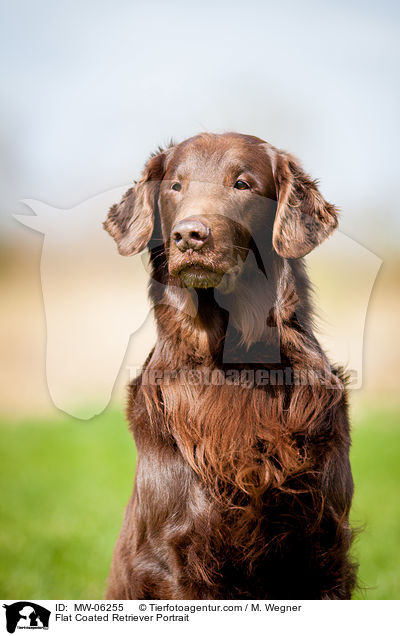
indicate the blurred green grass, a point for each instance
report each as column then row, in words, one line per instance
column 65, row 484
column 375, row 460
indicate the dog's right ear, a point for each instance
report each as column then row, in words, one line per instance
column 131, row 221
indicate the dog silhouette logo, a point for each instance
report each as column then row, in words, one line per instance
column 26, row 615
column 83, row 304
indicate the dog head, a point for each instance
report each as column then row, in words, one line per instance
column 212, row 198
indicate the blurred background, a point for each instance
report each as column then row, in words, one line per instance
column 89, row 89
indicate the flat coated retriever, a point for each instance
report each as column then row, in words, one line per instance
column 243, row 483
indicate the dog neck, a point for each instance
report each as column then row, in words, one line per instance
column 261, row 321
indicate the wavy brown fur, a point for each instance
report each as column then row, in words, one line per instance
column 241, row 491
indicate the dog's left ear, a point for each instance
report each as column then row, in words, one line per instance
column 131, row 221
column 303, row 218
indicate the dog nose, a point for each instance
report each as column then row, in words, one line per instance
column 190, row 234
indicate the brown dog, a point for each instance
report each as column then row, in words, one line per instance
column 243, row 484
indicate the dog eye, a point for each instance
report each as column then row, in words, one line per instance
column 176, row 186
column 242, row 185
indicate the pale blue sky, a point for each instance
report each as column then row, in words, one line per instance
column 89, row 89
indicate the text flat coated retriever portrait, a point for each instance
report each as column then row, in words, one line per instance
column 243, row 484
